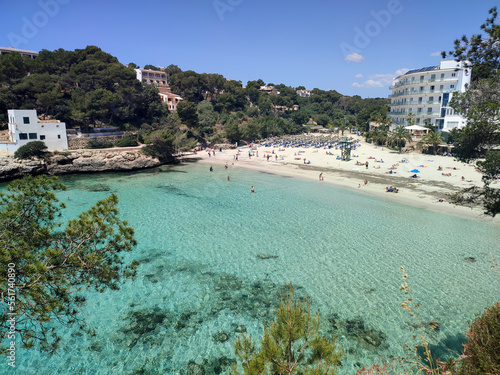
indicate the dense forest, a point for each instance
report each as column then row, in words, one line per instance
column 89, row 88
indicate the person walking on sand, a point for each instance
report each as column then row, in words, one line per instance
column 321, row 176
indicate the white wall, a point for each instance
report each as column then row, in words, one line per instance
column 53, row 134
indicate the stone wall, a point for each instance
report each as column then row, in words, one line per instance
column 81, row 143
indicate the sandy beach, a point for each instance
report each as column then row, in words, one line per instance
column 438, row 176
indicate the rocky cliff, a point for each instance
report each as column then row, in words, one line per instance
column 78, row 161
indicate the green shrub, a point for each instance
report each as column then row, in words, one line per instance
column 32, row 149
column 482, row 351
column 99, row 143
column 128, row 141
column 159, row 149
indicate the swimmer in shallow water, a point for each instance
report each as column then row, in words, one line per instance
column 252, row 190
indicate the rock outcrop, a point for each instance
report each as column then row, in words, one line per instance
column 78, row 161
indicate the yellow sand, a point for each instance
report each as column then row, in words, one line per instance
column 425, row 191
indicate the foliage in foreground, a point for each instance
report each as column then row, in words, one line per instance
column 482, row 351
column 292, row 343
column 31, row 150
column 480, row 104
column 50, row 265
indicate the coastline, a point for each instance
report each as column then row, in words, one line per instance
column 115, row 159
column 423, row 192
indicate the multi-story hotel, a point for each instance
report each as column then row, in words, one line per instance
column 426, row 93
column 159, row 79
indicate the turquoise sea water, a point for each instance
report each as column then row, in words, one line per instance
column 201, row 280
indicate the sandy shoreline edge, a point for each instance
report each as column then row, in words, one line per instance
column 433, row 183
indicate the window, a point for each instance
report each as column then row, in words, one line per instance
column 433, row 77
column 23, row 136
column 26, row 120
column 441, row 87
column 453, row 74
column 429, row 110
column 452, row 86
column 32, row 136
column 442, row 75
column 59, row 136
column 42, row 137
column 446, row 98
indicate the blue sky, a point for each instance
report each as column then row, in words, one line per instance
column 354, row 47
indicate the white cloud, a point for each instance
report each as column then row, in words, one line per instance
column 354, row 57
column 436, row 53
column 380, row 80
column 359, row 75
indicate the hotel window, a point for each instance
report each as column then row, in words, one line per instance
column 453, row 74
column 441, row 87
column 442, row 75
column 23, row 136
column 452, row 86
column 59, row 136
column 42, row 137
column 429, row 110
column 32, row 136
column 433, row 77
column 26, row 120
column 432, row 88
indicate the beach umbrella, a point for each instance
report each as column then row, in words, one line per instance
column 415, row 171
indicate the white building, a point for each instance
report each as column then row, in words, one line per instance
column 157, row 77
column 24, row 127
column 23, row 52
column 426, row 93
column 304, row 93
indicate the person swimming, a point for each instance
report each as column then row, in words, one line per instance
column 252, row 190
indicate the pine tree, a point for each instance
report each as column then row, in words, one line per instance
column 292, row 343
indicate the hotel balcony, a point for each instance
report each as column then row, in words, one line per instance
column 423, row 82
column 423, row 92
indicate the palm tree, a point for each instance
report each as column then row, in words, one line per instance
column 384, row 122
column 399, row 135
column 411, row 119
column 433, row 139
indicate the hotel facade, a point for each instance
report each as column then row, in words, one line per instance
column 426, row 93
column 159, row 79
